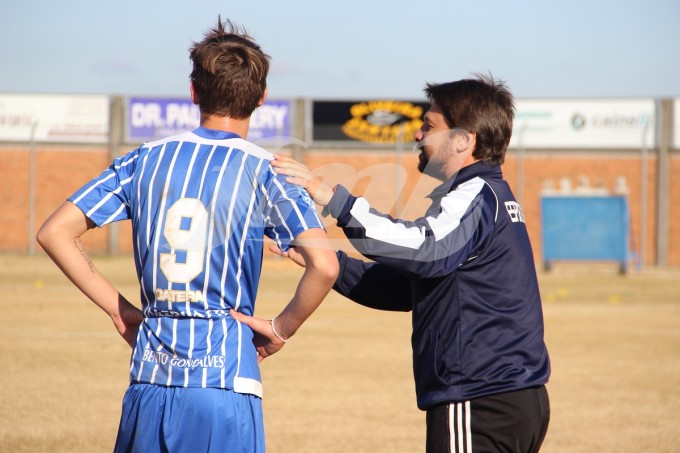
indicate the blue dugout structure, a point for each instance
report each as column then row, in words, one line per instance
column 586, row 227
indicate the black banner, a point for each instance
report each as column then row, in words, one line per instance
column 378, row 122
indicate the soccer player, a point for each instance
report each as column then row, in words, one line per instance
column 464, row 269
column 200, row 205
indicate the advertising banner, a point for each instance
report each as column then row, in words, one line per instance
column 367, row 122
column 584, row 123
column 54, row 118
column 153, row 118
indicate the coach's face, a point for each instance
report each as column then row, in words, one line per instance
column 434, row 141
column 443, row 150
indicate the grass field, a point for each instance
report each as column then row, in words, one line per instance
column 344, row 383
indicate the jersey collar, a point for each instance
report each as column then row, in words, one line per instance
column 214, row 134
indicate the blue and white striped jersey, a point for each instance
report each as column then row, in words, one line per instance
column 200, row 204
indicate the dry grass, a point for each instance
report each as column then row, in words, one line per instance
column 344, row 383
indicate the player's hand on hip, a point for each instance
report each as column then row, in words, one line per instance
column 266, row 342
column 300, row 175
column 127, row 320
column 292, row 254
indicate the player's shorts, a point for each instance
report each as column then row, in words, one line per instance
column 513, row 421
column 158, row 419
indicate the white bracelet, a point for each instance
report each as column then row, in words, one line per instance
column 276, row 334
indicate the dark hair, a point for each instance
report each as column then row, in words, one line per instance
column 481, row 105
column 229, row 72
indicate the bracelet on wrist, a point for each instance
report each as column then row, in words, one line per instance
column 276, row 334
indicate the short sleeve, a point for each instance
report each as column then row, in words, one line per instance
column 106, row 198
column 288, row 211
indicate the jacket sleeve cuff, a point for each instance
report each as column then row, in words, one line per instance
column 340, row 203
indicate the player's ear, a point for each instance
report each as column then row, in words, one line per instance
column 264, row 97
column 194, row 96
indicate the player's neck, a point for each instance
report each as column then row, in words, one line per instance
column 227, row 124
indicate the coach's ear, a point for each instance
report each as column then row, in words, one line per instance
column 466, row 140
column 194, row 96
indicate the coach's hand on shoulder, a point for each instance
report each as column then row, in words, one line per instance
column 266, row 342
column 300, row 175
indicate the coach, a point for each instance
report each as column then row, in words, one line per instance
column 466, row 271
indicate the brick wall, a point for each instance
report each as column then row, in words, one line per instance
column 674, row 227
column 59, row 171
column 600, row 168
column 387, row 178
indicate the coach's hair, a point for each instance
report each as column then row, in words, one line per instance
column 482, row 105
column 229, row 72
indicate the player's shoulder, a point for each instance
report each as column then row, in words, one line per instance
column 250, row 148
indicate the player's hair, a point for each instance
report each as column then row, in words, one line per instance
column 229, row 72
column 482, row 105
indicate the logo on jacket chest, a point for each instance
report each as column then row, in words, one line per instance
column 515, row 211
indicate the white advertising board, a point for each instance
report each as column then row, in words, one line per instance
column 584, row 123
column 54, row 118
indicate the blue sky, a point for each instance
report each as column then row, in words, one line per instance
column 349, row 49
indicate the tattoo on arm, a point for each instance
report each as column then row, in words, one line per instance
column 79, row 245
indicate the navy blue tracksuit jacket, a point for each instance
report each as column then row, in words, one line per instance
column 466, row 271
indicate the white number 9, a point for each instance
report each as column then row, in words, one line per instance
column 186, row 228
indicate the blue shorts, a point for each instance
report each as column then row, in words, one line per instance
column 159, row 419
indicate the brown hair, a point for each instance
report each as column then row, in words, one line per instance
column 481, row 105
column 229, row 72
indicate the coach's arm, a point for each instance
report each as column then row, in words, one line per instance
column 372, row 285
